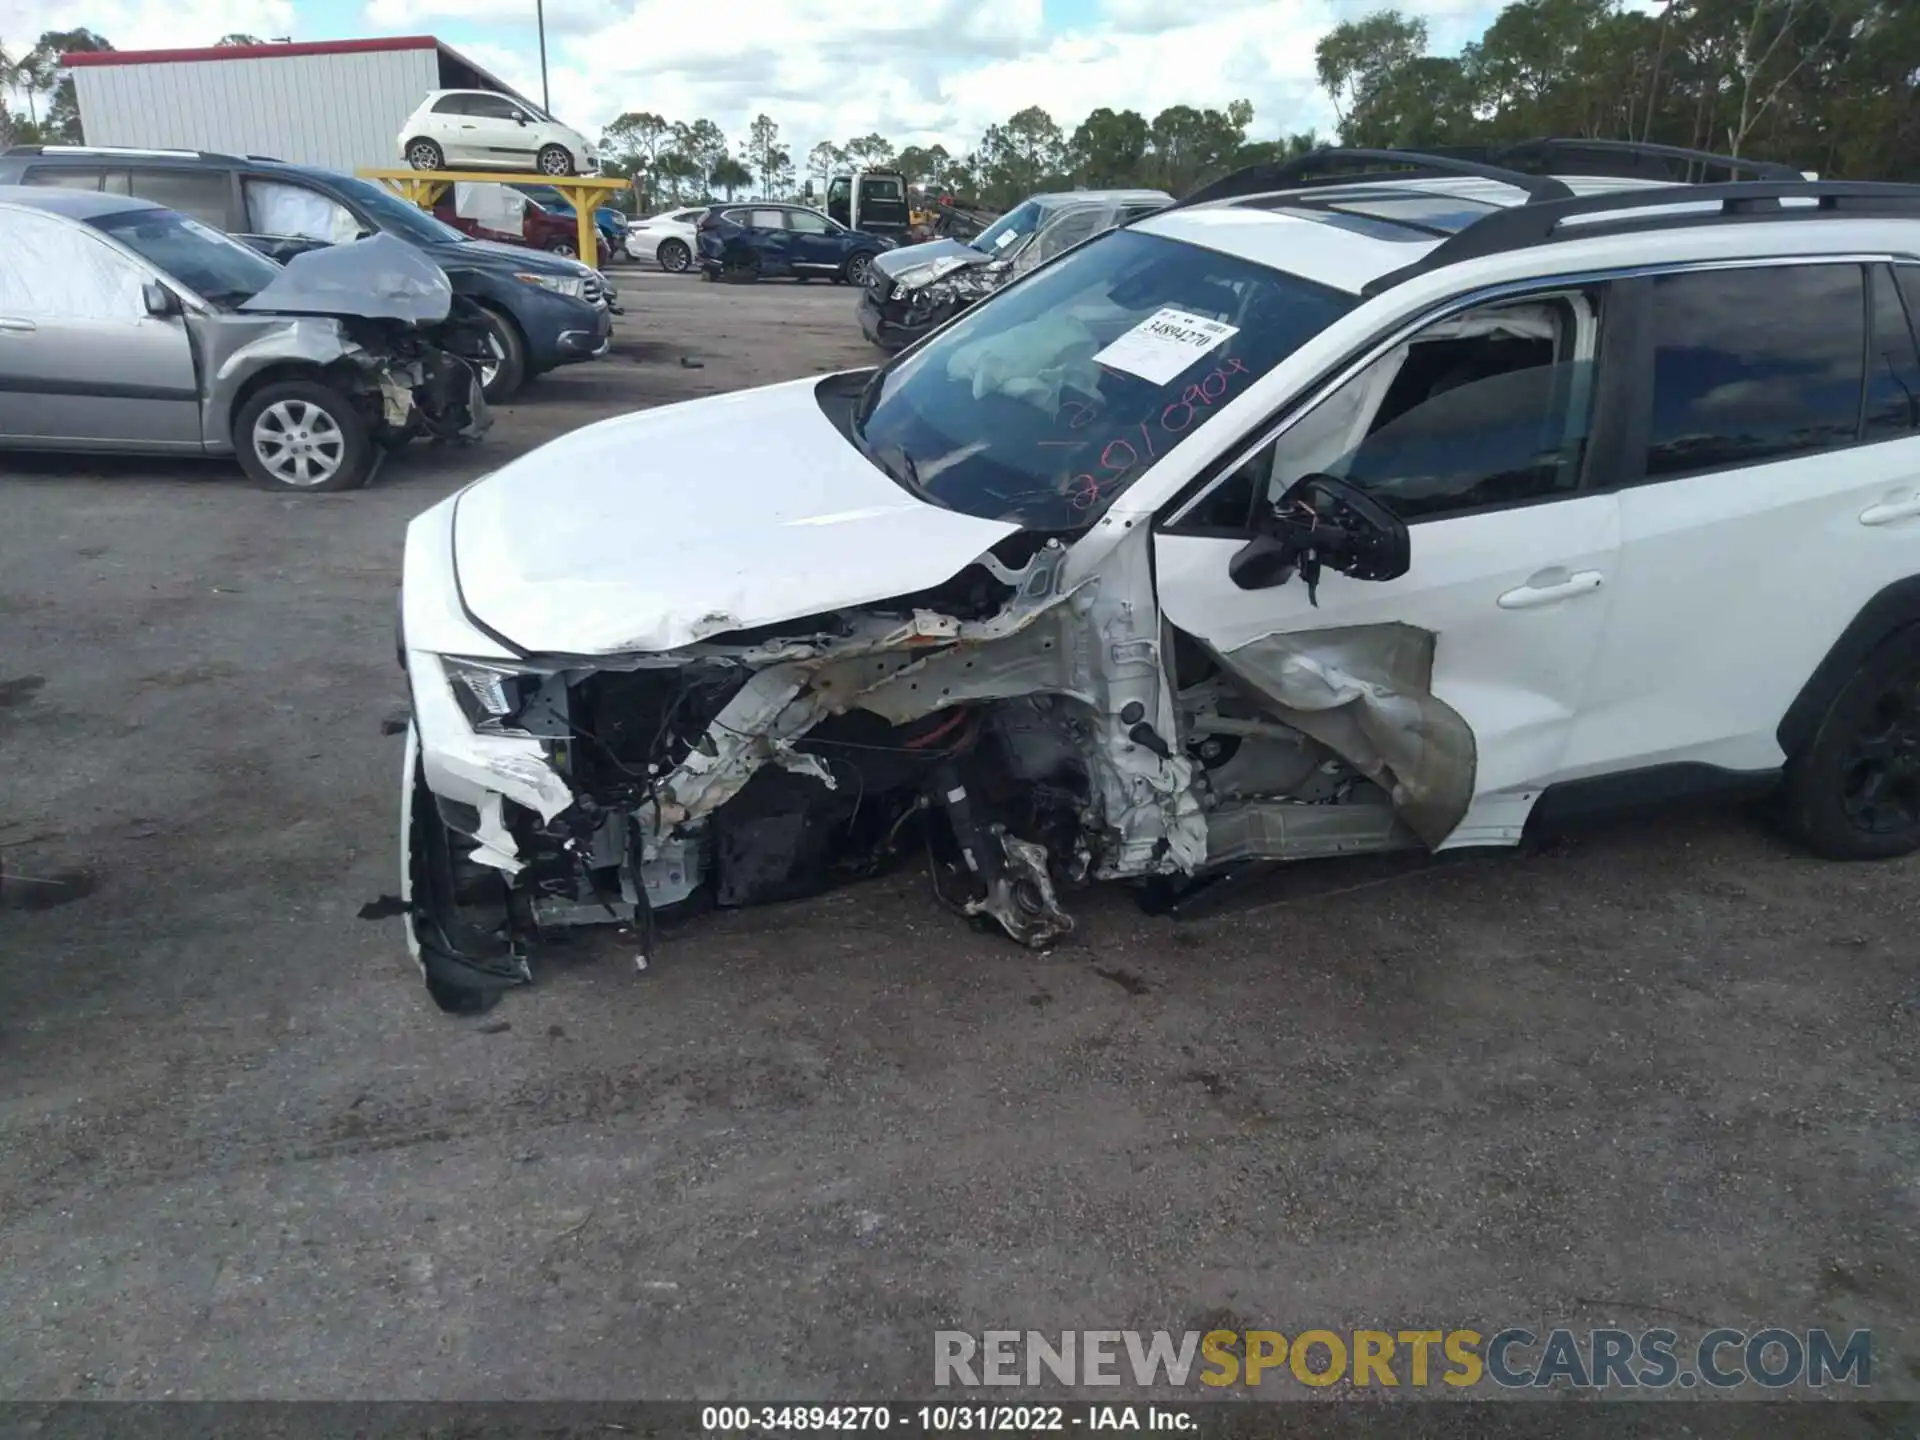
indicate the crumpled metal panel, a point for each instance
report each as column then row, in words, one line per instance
column 1090, row 635
column 1366, row 692
column 379, row 278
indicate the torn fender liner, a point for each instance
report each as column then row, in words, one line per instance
column 1366, row 693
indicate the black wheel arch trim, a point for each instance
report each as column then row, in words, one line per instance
column 1894, row 609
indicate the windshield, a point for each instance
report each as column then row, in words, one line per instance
column 217, row 269
column 1016, row 224
column 1045, row 403
column 393, row 214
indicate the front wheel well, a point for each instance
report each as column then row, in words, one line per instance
column 281, row 371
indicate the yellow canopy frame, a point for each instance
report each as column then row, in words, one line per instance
column 425, row 188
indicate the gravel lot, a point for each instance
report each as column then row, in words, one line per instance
column 1663, row 1073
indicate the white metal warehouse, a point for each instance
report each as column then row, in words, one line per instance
column 336, row 103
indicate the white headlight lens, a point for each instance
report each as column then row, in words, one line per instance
column 572, row 286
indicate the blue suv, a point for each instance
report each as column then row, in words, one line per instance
column 767, row 241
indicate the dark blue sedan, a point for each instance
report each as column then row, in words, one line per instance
column 766, row 241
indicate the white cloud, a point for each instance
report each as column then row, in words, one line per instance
column 824, row 69
column 144, row 24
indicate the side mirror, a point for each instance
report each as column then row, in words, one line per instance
column 160, row 301
column 1322, row 522
column 522, row 119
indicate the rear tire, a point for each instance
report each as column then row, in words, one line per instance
column 554, row 160
column 674, row 257
column 510, row 370
column 425, row 155
column 303, row 437
column 1854, row 792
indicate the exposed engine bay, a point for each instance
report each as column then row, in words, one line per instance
column 1021, row 731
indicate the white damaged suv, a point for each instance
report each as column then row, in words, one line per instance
column 1377, row 500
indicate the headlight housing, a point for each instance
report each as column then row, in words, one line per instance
column 574, row 287
column 489, row 695
column 916, row 276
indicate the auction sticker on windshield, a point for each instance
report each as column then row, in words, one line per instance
column 1164, row 344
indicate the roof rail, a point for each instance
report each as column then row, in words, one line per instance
column 1298, row 174
column 1520, row 163
column 1538, row 222
column 1549, row 147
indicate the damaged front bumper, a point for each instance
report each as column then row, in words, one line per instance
column 1009, row 729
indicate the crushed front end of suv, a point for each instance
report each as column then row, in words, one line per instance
column 1263, row 529
column 911, row 291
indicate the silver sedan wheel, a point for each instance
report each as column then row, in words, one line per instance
column 298, row 443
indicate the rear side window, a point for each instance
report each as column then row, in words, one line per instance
column 1893, row 372
column 493, row 107
column 206, row 195
column 769, row 220
column 452, row 105
column 77, row 177
column 1754, row 365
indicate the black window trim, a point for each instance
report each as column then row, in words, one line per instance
column 1632, row 473
column 1888, row 274
column 1619, row 327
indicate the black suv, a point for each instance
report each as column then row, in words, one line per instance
column 544, row 311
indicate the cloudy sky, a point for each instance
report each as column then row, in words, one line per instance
column 935, row 70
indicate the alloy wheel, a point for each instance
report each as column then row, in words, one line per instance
column 857, row 269
column 554, row 161
column 490, row 369
column 1880, row 771
column 425, row 156
column 299, row 443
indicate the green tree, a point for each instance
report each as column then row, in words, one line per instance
column 1357, row 57
column 635, row 141
column 702, row 143
column 763, row 143
column 925, row 167
column 778, row 177
column 729, row 174
column 63, row 115
column 1026, row 154
column 1189, row 145
column 825, row 158
column 868, row 152
column 1108, row 148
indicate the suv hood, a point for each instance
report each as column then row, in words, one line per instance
column 957, row 256
column 379, row 278
column 746, row 510
column 495, row 254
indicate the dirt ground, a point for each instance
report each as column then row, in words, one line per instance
column 1663, row 1073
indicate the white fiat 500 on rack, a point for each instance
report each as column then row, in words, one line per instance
column 1374, row 501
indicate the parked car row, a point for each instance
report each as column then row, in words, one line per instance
column 306, row 321
column 541, row 311
column 126, row 326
